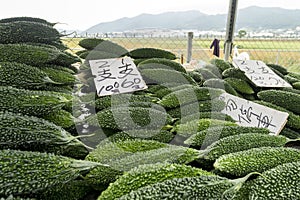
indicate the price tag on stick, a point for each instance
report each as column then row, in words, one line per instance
column 260, row 74
column 116, row 75
column 248, row 113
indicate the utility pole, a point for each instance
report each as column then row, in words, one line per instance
column 231, row 18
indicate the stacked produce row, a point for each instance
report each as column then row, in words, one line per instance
column 170, row 141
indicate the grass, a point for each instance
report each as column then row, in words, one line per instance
column 285, row 52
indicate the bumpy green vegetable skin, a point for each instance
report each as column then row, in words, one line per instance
column 167, row 90
column 161, row 136
column 234, row 73
column 151, row 53
column 29, row 102
column 35, row 55
column 256, row 160
column 242, row 142
column 126, row 155
column 214, row 69
column 207, row 137
column 189, row 95
column 145, row 175
column 90, row 43
column 192, row 127
column 22, row 76
column 24, row 172
column 297, row 85
column 166, row 76
column 208, row 115
column 129, row 118
column 96, row 44
column 197, row 107
column 205, row 73
column 111, row 101
column 240, row 85
column 190, row 188
column 34, row 134
column 112, row 151
column 73, row 190
column 285, row 99
column 289, row 133
column 21, row 32
column 281, row 182
column 221, row 64
column 26, row 19
column 161, row 63
column 293, row 119
column 279, row 68
column 170, row 154
column 196, row 76
column 61, row 118
column 219, row 83
column 59, row 76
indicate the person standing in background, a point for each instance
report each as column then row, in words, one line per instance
column 216, row 46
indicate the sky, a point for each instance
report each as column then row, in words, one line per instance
column 81, row 15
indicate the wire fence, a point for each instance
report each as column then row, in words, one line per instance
column 282, row 51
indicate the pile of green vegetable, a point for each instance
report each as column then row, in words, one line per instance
column 169, row 141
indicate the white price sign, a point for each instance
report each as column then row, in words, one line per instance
column 117, row 75
column 260, row 74
column 247, row 113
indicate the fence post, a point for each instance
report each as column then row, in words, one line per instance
column 190, row 46
column 230, row 28
column 277, row 57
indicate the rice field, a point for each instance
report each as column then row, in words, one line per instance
column 285, row 52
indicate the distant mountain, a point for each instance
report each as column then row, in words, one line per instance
column 251, row 17
column 268, row 18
